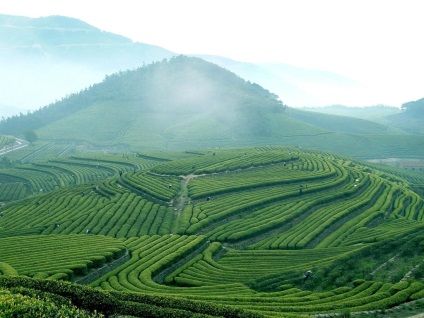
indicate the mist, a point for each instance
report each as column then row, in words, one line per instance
column 29, row 84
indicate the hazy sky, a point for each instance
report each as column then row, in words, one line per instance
column 376, row 42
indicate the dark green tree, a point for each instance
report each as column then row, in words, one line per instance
column 30, row 136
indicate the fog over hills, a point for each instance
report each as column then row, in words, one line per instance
column 175, row 97
column 189, row 103
column 296, row 86
column 45, row 59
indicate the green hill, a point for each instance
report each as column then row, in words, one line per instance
column 188, row 103
column 151, row 102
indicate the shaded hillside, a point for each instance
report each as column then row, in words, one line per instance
column 411, row 118
column 336, row 123
column 43, row 59
column 377, row 113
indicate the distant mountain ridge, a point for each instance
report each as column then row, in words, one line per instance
column 45, row 59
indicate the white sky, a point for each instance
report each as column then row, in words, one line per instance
column 376, row 42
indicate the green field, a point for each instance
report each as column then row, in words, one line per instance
column 233, row 229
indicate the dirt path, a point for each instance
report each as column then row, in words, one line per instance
column 182, row 196
column 180, row 201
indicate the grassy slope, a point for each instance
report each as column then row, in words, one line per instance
column 373, row 113
column 337, row 123
column 124, row 124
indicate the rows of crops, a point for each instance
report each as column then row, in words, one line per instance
column 85, row 209
column 59, row 173
column 5, row 141
column 208, row 213
column 246, row 266
column 222, row 160
column 232, row 227
column 58, row 256
column 286, row 173
column 152, row 254
column 12, row 191
column 162, row 188
column 42, row 150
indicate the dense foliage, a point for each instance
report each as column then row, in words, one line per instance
column 227, row 227
column 43, row 297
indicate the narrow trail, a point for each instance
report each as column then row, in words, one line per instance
column 182, row 197
column 181, row 200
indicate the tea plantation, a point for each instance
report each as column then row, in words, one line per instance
column 249, row 232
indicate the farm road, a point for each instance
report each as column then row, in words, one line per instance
column 19, row 144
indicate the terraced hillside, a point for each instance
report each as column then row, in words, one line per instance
column 236, row 228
